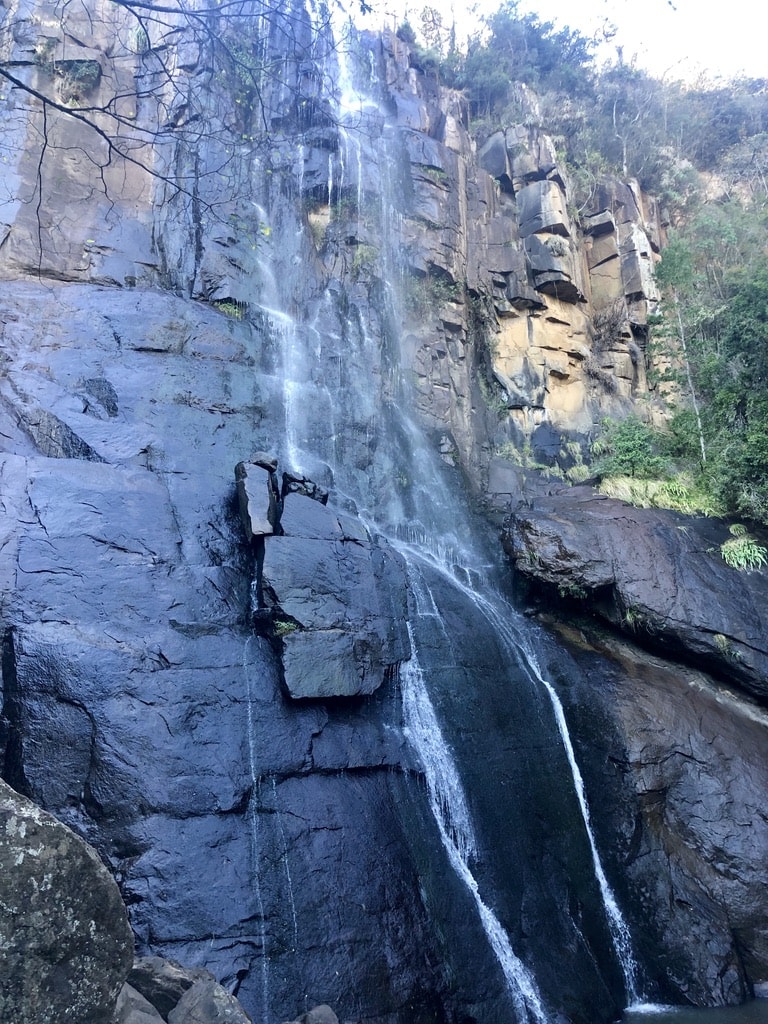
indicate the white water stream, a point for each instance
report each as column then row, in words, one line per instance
column 451, row 813
column 503, row 620
column 447, row 799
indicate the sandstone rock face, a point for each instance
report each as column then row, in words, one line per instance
column 651, row 572
column 67, row 946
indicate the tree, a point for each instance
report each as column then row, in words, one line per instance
column 628, row 448
column 675, row 275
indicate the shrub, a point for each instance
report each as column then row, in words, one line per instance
column 231, row 308
column 742, row 551
column 628, row 448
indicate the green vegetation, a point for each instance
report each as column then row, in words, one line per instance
column 425, row 294
column 284, row 627
column 708, row 347
column 231, row 308
column 742, row 551
column 628, row 448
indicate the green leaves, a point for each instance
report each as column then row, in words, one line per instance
column 742, row 551
column 629, row 448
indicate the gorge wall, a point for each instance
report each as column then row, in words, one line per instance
column 321, row 274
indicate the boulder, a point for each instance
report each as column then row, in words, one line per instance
column 317, row 1015
column 163, row 982
column 133, row 1008
column 67, row 946
column 258, row 495
column 338, row 600
column 206, row 1002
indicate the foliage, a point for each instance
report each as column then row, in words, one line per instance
column 284, row 627
column 742, row 551
column 716, row 272
column 629, row 448
column 364, row 259
column 230, row 307
column 424, row 294
column 681, row 494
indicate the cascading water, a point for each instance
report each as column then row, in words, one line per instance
column 507, row 625
column 450, row 809
column 345, row 399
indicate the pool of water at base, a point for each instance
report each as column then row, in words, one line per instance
column 755, row 1012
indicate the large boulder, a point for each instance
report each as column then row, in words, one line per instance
column 133, row 1008
column 67, row 946
column 162, row 982
column 652, row 573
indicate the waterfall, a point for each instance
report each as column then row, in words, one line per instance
column 502, row 617
column 450, row 810
column 424, row 518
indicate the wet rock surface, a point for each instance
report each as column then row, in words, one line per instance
column 675, row 767
column 338, row 602
column 654, row 573
column 66, row 942
column 140, row 705
column 288, row 845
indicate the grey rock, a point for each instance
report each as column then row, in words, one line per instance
column 163, row 982
column 133, row 1008
column 206, row 1002
column 344, row 597
column 67, row 946
column 541, row 208
column 258, row 495
column 317, row 1015
column 675, row 768
column 653, row 572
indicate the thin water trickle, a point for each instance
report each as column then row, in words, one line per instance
column 286, row 867
column 253, row 826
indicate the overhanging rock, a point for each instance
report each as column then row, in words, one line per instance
column 337, row 599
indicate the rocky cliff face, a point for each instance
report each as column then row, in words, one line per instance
column 340, row 293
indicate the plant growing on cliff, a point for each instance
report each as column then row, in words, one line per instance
column 742, row 551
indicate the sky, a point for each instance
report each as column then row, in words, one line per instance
column 679, row 40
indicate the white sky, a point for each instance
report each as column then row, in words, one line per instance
column 680, row 41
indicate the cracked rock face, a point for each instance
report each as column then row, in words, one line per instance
column 653, row 573
column 67, row 946
column 676, row 773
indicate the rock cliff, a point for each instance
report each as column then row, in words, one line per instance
column 340, row 292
